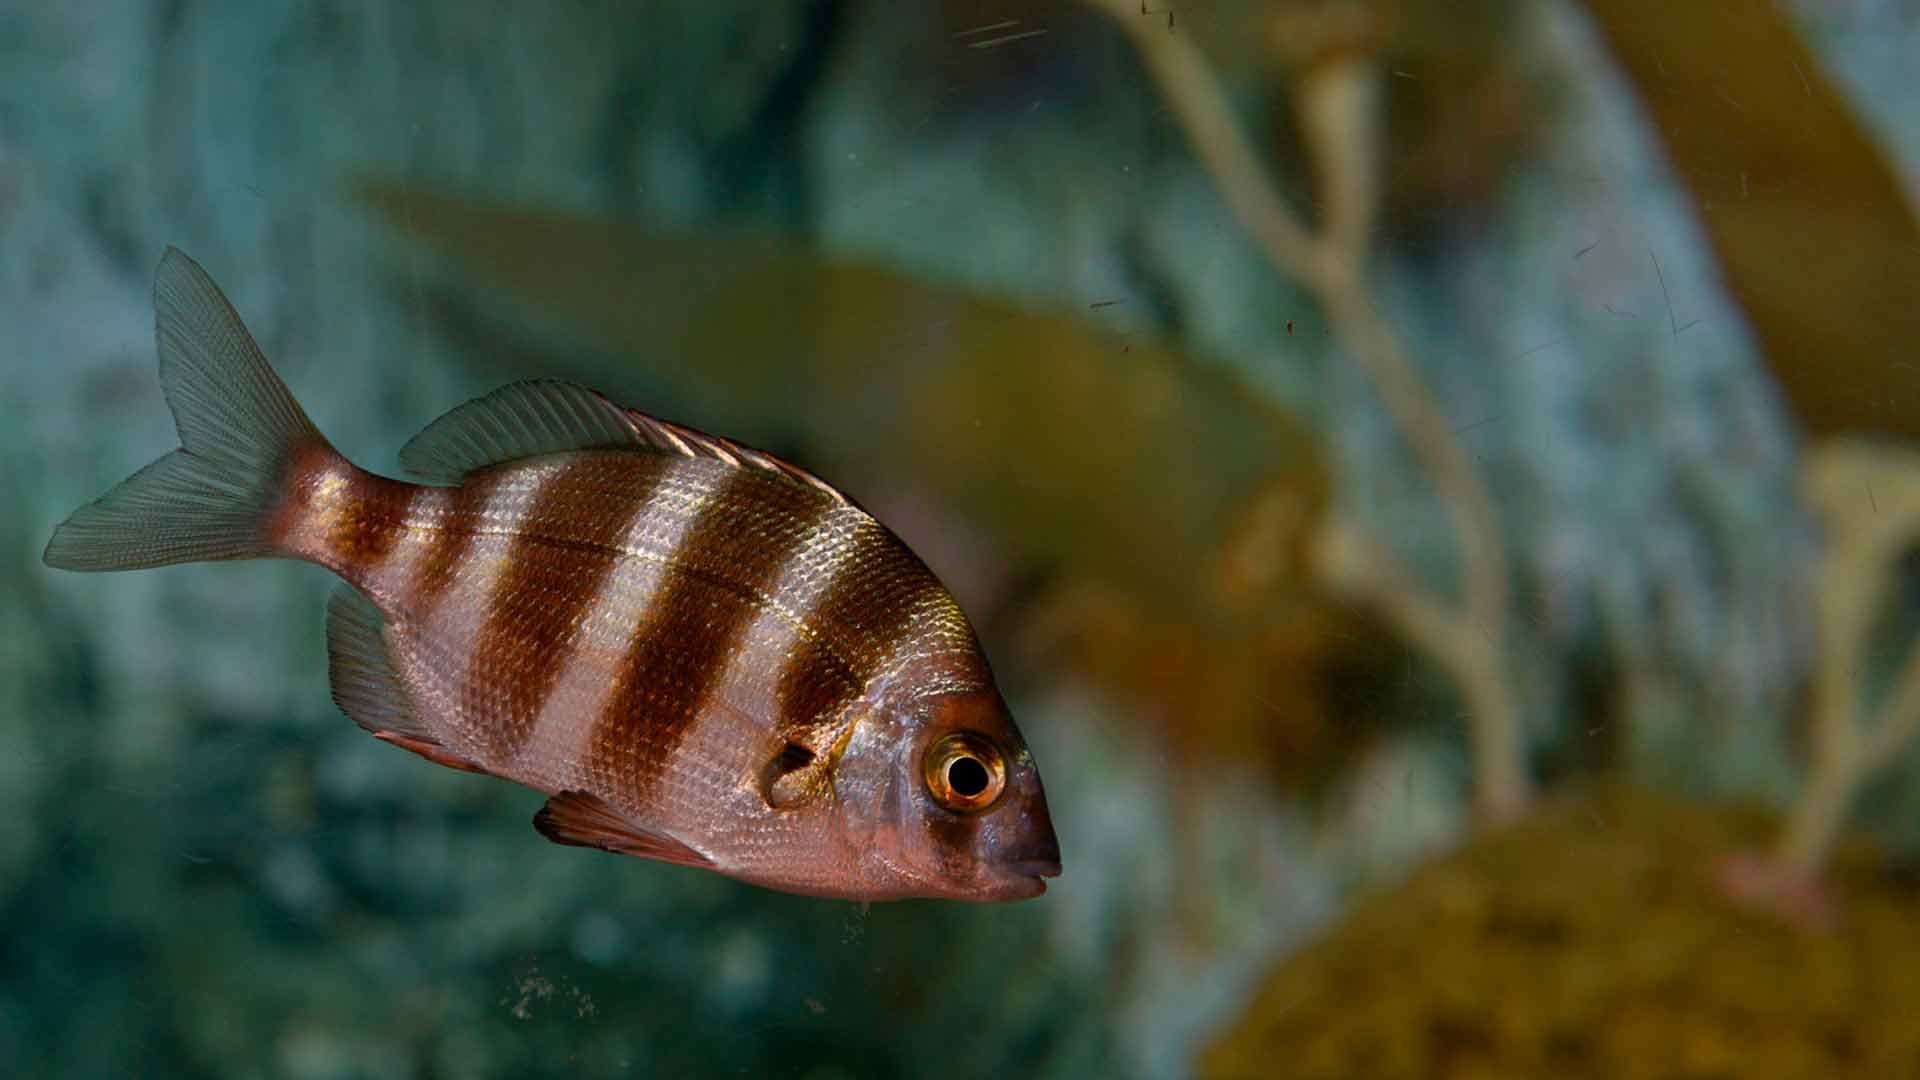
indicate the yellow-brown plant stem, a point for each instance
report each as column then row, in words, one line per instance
column 1339, row 122
column 1868, row 498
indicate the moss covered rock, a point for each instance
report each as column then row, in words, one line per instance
column 1592, row 941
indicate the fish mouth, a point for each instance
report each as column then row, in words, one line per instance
column 1036, row 868
column 1028, row 876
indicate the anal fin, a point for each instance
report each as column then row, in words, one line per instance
column 582, row 820
column 429, row 749
column 366, row 686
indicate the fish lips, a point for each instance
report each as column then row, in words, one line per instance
column 1029, row 850
column 1024, row 878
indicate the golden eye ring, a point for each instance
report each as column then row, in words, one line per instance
column 966, row 773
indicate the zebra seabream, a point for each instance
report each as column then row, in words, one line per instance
column 700, row 653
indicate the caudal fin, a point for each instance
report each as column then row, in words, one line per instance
column 239, row 430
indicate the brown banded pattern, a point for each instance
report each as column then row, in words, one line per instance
column 564, row 546
column 857, row 620
column 424, row 512
column 654, row 533
column 452, row 538
column 882, row 608
column 712, row 589
column 345, row 519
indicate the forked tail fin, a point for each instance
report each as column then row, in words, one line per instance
column 239, row 431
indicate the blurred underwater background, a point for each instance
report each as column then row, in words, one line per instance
column 1436, row 482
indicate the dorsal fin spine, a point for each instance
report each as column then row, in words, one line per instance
column 532, row 419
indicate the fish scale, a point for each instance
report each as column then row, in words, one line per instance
column 700, row 653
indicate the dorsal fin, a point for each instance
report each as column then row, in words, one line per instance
column 548, row 416
column 687, row 442
column 519, row 420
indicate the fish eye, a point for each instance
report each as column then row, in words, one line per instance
column 965, row 773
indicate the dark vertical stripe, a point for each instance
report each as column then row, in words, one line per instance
column 336, row 515
column 954, row 838
column 454, row 530
column 856, row 627
column 732, row 554
column 564, row 546
column 365, row 535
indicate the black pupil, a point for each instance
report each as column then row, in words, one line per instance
column 967, row 777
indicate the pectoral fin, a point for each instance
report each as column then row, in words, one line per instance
column 582, row 820
column 801, row 772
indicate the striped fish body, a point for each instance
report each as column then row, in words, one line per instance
column 702, row 654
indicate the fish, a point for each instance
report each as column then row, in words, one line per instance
column 701, row 654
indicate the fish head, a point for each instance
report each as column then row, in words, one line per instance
column 948, row 802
